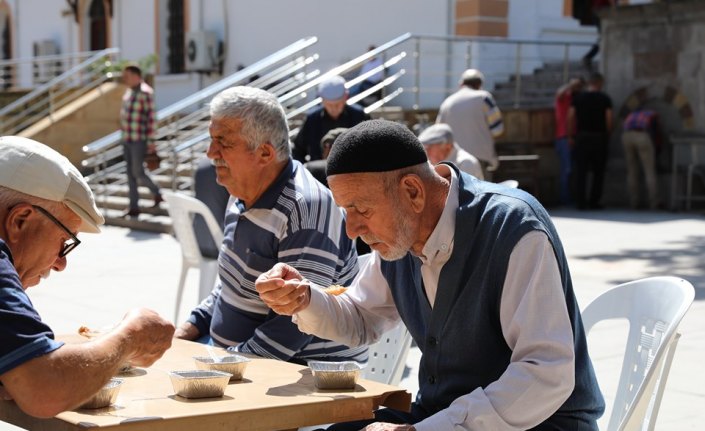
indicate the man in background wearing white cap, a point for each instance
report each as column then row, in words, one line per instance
column 438, row 142
column 475, row 119
column 334, row 113
column 44, row 203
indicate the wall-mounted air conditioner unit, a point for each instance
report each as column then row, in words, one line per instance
column 45, row 69
column 45, row 47
column 201, row 51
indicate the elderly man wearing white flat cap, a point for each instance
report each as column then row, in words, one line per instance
column 44, row 204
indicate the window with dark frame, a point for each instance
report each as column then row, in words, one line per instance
column 175, row 37
column 97, row 26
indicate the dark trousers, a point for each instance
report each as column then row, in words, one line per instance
column 590, row 157
column 417, row 414
column 134, row 158
column 563, row 151
column 556, row 423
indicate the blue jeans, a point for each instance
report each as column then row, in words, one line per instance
column 563, row 151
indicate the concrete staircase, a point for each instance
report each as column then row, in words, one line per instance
column 113, row 198
column 536, row 90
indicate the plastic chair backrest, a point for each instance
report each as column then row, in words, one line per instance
column 387, row 357
column 181, row 209
column 653, row 307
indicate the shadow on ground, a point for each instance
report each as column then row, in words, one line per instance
column 677, row 262
column 626, row 216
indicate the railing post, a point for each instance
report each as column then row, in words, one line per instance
column 566, row 59
column 174, row 164
column 517, row 83
column 417, row 72
column 468, row 55
column 50, row 102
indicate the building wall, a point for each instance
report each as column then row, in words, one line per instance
column 344, row 29
column 251, row 30
column 654, row 53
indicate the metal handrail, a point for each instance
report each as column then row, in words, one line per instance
column 207, row 93
column 517, row 56
column 54, row 64
column 51, row 57
column 55, row 82
column 386, row 65
column 347, row 66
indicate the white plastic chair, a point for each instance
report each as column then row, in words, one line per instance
column 653, row 308
column 181, row 209
column 387, row 357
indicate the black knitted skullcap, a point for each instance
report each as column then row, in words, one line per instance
column 375, row 146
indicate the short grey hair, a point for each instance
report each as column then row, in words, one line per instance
column 263, row 117
column 390, row 180
column 9, row 198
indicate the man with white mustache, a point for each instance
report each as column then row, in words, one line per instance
column 278, row 212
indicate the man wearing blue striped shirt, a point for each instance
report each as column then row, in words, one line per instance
column 277, row 213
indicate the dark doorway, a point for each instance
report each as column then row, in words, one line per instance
column 175, row 38
column 5, row 48
column 97, row 25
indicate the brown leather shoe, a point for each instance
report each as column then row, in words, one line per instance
column 131, row 213
column 157, row 200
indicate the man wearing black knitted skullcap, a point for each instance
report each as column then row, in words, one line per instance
column 477, row 273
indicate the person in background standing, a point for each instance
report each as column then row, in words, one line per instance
column 588, row 13
column 642, row 139
column 590, row 116
column 137, row 126
column 475, row 119
column 563, row 143
column 372, row 80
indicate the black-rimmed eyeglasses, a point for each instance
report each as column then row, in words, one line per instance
column 70, row 243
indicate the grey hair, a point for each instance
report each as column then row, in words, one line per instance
column 263, row 118
column 390, row 180
column 9, row 198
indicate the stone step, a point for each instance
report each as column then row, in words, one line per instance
column 144, row 222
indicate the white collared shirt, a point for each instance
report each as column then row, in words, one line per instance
column 533, row 317
column 439, row 245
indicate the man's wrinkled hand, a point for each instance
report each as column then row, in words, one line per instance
column 150, row 335
column 283, row 289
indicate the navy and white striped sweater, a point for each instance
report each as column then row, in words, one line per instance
column 296, row 222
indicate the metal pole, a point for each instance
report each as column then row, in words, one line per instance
column 517, row 83
column 417, row 78
column 468, row 55
column 566, row 48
